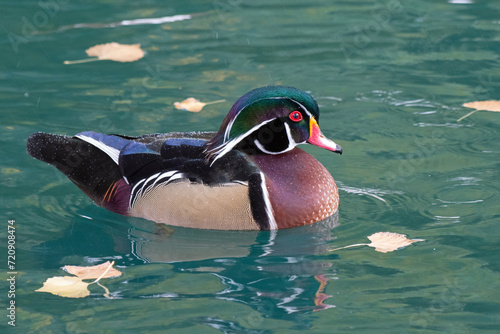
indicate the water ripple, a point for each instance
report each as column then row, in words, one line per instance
column 461, row 197
column 375, row 193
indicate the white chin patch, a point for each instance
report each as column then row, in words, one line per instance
column 261, row 148
column 291, row 142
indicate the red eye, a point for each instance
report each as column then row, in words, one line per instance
column 295, row 116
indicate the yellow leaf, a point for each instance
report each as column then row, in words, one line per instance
column 112, row 51
column 189, row 60
column 490, row 105
column 192, row 104
column 387, row 241
column 6, row 170
column 65, row 286
column 94, row 272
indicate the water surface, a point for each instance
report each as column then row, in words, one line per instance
column 390, row 78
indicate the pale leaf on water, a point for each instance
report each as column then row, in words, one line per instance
column 66, row 286
column 75, row 287
column 385, row 242
column 111, row 51
column 489, row 105
column 193, row 105
column 117, row 52
column 190, row 104
column 93, row 272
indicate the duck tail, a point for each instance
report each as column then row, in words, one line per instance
column 87, row 166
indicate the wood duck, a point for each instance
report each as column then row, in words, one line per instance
column 247, row 176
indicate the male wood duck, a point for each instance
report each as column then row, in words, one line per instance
column 247, row 176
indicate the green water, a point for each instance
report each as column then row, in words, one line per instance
column 390, row 78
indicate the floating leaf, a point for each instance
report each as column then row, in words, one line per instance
column 75, row 287
column 7, row 170
column 117, row 52
column 192, row 104
column 385, row 242
column 65, row 286
column 490, row 105
column 103, row 270
column 111, row 51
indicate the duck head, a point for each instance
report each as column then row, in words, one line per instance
column 270, row 120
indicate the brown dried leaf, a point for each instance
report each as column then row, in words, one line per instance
column 93, row 272
column 192, row 104
column 66, row 286
column 387, row 241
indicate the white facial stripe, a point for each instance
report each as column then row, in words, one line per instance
column 228, row 129
column 228, row 146
column 291, row 141
column 260, row 147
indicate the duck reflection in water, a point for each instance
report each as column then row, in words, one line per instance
column 283, row 271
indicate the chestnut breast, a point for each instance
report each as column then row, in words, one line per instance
column 301, row 190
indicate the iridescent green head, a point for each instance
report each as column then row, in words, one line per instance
column 270, row 120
